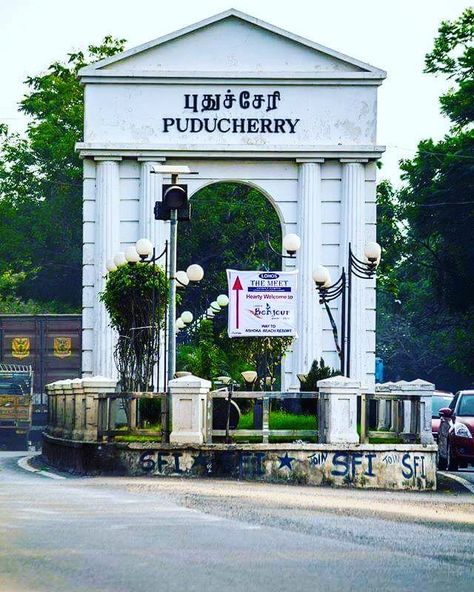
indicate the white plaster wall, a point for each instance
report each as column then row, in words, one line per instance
column 88, row 257
column 131, row 114
column 332, row 96
column 278, row 180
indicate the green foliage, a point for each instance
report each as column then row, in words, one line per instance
column 135, row 297
column 426, row 309
column 390, row 236
column 439, row 213
column 41, row 186
column 128, row 296
column 262, row 354
column 211, row 353
column 11, row 304
column 203, row 358
column 453, row 56
column 318, row 371
column 229, row 227
column 281, row 420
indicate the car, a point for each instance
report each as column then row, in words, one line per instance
column 440, row 400
column 456, row 432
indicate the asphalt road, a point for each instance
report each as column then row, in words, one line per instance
column 467, row 474
column 146, row 535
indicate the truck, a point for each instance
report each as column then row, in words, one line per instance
column 51, row 344
column 16, row 406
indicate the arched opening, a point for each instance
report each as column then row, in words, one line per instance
column 231, row 224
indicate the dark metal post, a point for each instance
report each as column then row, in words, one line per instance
column 172, row 313
column 153, row 322
column 343, row 325
column 165, row 349
column 343, row 287
column 230, row 392
column 349, row 316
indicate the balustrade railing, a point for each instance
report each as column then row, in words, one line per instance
column 100, row 417
column 265, row 399
column 88, row 410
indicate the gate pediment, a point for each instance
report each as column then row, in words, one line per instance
column 232, row 45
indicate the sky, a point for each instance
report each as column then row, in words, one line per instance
column 393, row 35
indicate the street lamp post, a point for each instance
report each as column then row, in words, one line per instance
column 291, row 244
column 343, row 288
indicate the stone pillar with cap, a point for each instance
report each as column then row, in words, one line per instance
column 93, row 386
column 189, row 409
column 338, row 410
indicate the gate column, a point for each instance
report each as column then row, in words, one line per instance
column 308, row 346
column 150, row 191
column 107, row 244
column 155, row 230
column 353, row 231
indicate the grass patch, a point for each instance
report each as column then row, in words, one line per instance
column 281, row 420
column 393, row 440
column 152, row 433
column 138, row 438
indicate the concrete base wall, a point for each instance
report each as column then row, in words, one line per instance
column 377, row 466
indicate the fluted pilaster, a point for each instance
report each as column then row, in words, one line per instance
column 308, row 346
column 150, row 192
column 107, row 244
column 353, row 232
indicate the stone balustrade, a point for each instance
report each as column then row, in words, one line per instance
column 73, row 407
column 85, row 410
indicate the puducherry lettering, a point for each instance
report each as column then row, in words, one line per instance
column 226, row 125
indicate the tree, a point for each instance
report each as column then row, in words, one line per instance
column 41, row 185
column 136, row 298
column 202, row 356
column 229, row 227
column 426, row 325
column 318, row 371
column 453, row 56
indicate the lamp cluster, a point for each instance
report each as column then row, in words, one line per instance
column 215, row 307
column 372, row 253
column 143, row 251
column 140, row 251
column 342, row 287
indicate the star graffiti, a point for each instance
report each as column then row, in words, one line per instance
column 285, row 461
column 201, row 460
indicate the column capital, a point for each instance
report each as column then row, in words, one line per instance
column 309, row 160
column 354, row 160
column 107, row 158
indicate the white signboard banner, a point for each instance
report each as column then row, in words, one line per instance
column 262, row 303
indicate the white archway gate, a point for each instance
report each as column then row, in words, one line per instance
column 235, row 98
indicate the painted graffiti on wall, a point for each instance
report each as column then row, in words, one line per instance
column 348, row 466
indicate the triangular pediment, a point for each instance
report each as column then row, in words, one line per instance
column 232, row 44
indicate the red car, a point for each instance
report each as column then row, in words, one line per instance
column 440, row 400
column 456, row 432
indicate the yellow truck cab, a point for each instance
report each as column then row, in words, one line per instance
column 16, row 390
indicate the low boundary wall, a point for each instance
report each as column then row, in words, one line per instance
column 377, row 466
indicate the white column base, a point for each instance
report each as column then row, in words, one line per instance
column 189, row 409
column 339, row 398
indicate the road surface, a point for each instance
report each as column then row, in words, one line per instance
column 147, row 535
